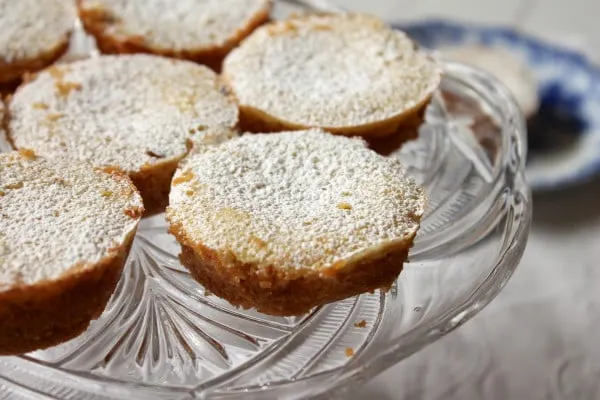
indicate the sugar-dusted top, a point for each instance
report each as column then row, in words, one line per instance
column 177, row 25
column 56, row 215
column 30, row 28
column 332, row 71
column 126, row 111
column 303, row 199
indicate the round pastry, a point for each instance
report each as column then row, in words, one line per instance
column 137, row 113
column 66, row 231
column 198, row 30
column 349, row 74
column 289, row 221
column 33, row 34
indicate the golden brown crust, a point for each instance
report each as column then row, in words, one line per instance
column 10, row 73
column 407, row 130
column 51, row 312
column 4, row 122
column 154, row 184
column 96, row 22
column 404, row 126
column 287, row 292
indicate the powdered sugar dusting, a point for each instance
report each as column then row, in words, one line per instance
column 330, row 71
column 30, row 28
column 126, row 111
column 303, row 199
column 177, row 25
column 56, row 215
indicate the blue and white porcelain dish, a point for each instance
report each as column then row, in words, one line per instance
column 564, row 136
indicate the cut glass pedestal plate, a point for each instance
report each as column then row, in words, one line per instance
column 163, row 337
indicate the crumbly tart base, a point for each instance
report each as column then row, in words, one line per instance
column 12, row 73
column 154, row 185
column 402, row 127
column 51, row 312
column 289, row 292
column 407, row 130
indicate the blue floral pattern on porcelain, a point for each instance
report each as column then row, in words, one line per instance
column 564, row 135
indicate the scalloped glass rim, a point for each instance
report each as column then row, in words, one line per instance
column 506, row 175
column 358, row 369
column 512, row 157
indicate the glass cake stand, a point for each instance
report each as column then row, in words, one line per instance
column 163, row 337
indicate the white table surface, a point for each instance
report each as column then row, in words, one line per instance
column 540, row 338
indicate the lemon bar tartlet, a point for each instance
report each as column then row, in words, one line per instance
column 289, row 221
column 350, row 74
column 66, row 231
column 137, row 113
column 33, row 34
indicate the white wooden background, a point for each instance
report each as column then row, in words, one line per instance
column 540, row 338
